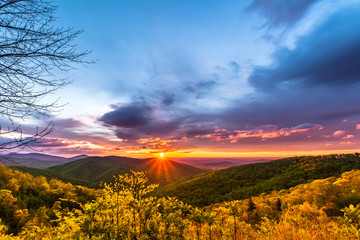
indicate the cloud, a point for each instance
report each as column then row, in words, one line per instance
column 128, row 116
column 316, row 81
column 263, row 132
column 201, row 88
column 339, row 133
column 357, row 127
column 279, row 13
column 53, row 143
column 349, row 136
column 347, row 143
column 134, row 121
column 329, row 55
column 62, row 123
column 235, row 66
column 168, row 99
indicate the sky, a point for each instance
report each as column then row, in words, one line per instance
column 210, row 79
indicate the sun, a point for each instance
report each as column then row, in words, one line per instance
column 162, row 155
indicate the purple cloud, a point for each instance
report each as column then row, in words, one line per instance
column 129, row 116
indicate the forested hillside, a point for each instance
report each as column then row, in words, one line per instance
column 102, row 169
column 26, row 200
column 92, row 171
column 244, row 181
column 52, row 174
column 323, row 209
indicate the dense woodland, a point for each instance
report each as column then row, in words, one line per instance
column 249, row 180
column 37, row 208
column 322, row 209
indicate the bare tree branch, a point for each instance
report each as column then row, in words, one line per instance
column 31, row 48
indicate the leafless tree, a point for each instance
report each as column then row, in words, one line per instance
column 31, row 48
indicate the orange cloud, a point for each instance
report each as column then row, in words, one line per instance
column 347, row 143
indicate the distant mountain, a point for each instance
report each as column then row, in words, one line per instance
column 92, row 171
column 219, row 163
column 78, row 157
column 39, row 156
column 215, row 165
column 29, row 162
column 37, row 160
column 249, row 180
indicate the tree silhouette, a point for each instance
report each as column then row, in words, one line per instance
column 31, row 48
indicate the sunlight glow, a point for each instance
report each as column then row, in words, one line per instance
column 161, row 154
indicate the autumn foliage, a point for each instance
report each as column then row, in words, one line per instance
column 34, row 208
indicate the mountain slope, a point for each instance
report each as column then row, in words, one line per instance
column 102, row 169
column 39, row 156
column 36, row 160
column 244, row 181
column 24, row 198
column 51, row 174
column 29, row 162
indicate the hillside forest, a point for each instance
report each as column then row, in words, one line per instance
column 40, row 208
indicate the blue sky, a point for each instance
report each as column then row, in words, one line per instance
column 211, row 78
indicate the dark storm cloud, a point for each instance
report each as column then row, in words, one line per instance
column 155, row 128
column 196, row 132
column 129, row 116
column 138, row 120
column 330, row 55
column 319, row 104
column 281, row 13
column 172, row 128
column 129, row 134
column 317, row 81
column 156, row 121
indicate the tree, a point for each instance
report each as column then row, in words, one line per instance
column 31, row 49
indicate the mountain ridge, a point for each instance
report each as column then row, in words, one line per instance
column 91, row 171
column 244, row 181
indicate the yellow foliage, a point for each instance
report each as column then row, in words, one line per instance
column 322, row 209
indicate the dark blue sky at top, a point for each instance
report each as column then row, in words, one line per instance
column 183, row 69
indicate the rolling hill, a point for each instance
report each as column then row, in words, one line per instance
column 29, row 162
column 249, row 180
column 51, row 174
column 91, row 171
column 36, row 160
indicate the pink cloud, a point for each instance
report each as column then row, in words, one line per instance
column 358, row 126
column 263, row 132
column 53, row 143
column 349, row 136
column 339, row 133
